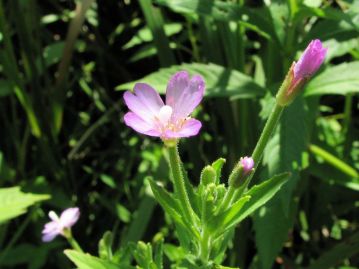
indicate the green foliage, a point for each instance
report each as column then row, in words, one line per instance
column 341, row 79
column 13, row 202
column 86, row 261
column 63, row 134
column 220, row 81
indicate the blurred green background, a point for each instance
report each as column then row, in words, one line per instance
column 64, row 66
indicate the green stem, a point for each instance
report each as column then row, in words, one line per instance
column 179, row 184
column 72, row 241
column 205, row 246
column 334, row 161
column 257, row 154
column 271, row 124
column 347, row 113
column 192, row 39
column 227, row 199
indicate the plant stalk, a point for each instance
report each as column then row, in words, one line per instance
column 72, row 241
column 257, row 154
column 179, row 184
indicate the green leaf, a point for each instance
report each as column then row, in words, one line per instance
column 145, row 34
column 339, row 48
column 252, row 19
column 261, row 194
column 86, row 261
column 340, row 79
column 13, row 202
column 53, row 53
column 155, row 22
column 158, row 254
column 220, row 81
column 171, row 206
column 228, row 218
column 140, row 219
column 339, row 25
column 123, row 213
column 165, row 199
column 105, row 246
column 271, row 230
column 108, row 180
column 332, row 176
column 217, row 166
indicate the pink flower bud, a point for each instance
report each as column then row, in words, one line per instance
column 241, row 171
column 300, row 72
column 248, row 164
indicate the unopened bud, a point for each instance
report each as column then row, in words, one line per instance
column 300, row 72
column 208, row 175
column 241, row 171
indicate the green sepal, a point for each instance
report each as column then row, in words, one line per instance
column 105, row 246
column 208, row 175
column 217, row 166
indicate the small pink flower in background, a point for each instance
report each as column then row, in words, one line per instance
column 59, row 224
column 150, row 116
column 248, row 164
column 310, row 61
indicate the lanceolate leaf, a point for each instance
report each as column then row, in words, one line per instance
column 262, row 193
column 230, row 217
column 341, row 79
column 13, row 202
column 217, row 166
column 253, row 199
column 171, row 206
column 86, row 261
column 220, row 81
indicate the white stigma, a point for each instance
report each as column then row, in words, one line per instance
column 165, row 114
column 53, row 216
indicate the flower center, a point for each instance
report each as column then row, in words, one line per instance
column 166, row 122
column 165, row 115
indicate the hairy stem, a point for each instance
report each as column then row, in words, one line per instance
column 179, row 184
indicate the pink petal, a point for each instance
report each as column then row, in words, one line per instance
column 50, row 231
column 69, row 217
column 310, row 61
column 139, row 125
column 184, row 94
column 49, row 237
column 190, row 128
column 146, row 102
column 248, row 164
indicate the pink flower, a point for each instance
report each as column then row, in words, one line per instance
column 310, row 61
column 59, row 224
column 248, row 164
column 150, row 116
